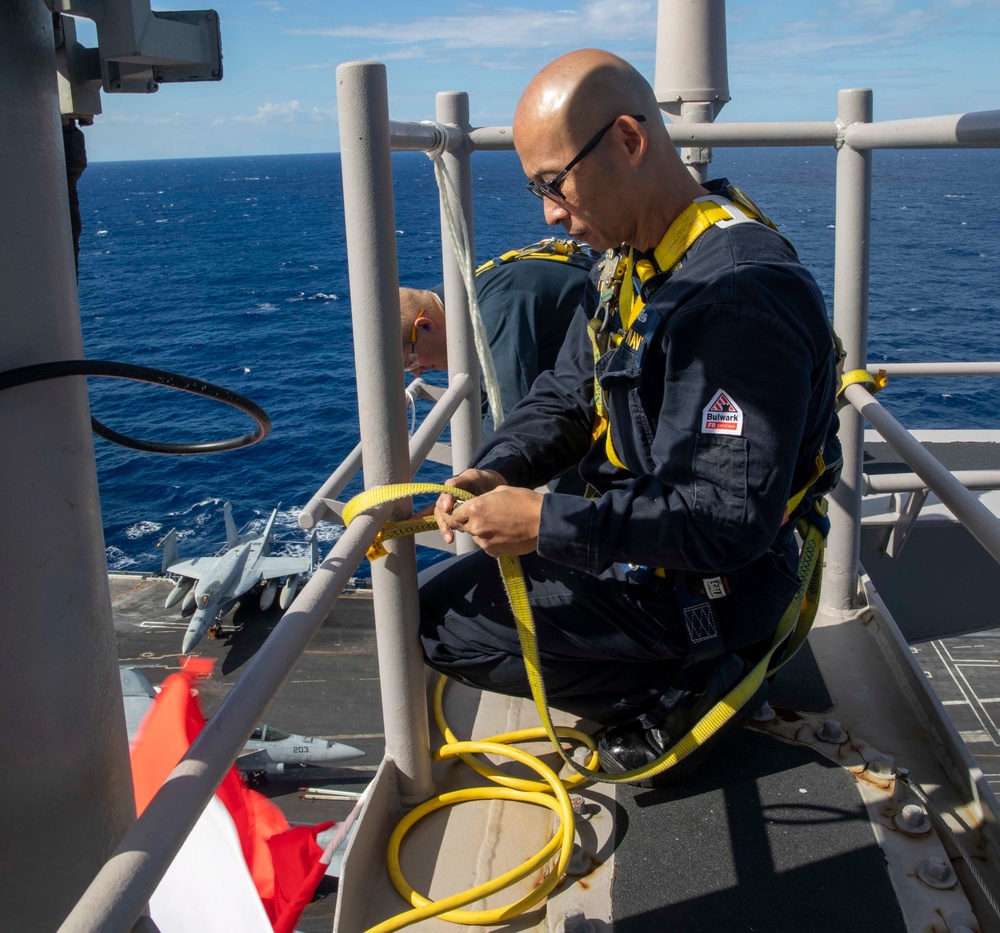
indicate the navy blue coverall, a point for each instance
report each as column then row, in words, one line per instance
column 742, row 340
column 526, row 306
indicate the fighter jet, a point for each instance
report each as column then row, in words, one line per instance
column 210, row 586
column 269, row 750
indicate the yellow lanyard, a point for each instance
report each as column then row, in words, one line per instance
column 681, row 235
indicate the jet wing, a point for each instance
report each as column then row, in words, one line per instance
column 272, row 567
column 195, row 568
column 253, row 761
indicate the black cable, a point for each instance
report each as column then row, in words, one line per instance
column 42, row 371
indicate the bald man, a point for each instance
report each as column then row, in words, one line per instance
column 711, row 396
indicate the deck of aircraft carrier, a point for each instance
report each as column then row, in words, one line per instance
column 333, row 692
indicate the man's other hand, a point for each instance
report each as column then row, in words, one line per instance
column 503, row 521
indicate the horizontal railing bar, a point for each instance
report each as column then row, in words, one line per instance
column 811, row 133
column 953, row 131
column 419, row 137
column 317, row 508
column 986, row 368
column 960, row 130
column 881, row 483
column 492, row 138
column 121, row 890
column 978, row 519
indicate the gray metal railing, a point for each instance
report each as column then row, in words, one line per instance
column 979, row 520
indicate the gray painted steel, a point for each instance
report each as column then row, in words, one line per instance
column 691, row 58
column 59, row 685
column 850, row 318
column 466, row 425
column 362, row 100
column 978, row 519
column 937, row 369
column 910, row 482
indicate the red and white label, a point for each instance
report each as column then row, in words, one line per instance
column 722, row 415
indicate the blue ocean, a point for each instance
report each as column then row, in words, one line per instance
column 234, row 270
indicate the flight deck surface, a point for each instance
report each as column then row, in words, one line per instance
column 333, row 692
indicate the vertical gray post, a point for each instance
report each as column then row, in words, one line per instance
column 850, row 318
column 362, row 100
column 692, row 74
column 68, row 800
column 466, row 425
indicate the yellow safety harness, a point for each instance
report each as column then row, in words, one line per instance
column 551, row 248
column 621, row 302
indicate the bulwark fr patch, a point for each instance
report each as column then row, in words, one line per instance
column 722, row 415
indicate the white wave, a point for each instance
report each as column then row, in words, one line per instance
column 117, row 559
column 267, row 306
column 400, row 233
column 323, row 296
column 141, row 529
column 954, row 195
column 831, row 226
column 161, row 221
column 101, row 233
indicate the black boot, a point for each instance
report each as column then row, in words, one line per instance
column 696, row 690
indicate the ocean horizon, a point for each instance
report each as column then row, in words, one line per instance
column 234, row 270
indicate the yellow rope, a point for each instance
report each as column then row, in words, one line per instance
column 793, row 627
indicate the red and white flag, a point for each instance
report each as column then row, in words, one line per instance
column 241, row 844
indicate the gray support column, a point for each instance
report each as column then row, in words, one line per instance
column 466, row 425
column 68, row 800
column 850, row 318
column 692, row 73
column 697, row 160
column 362, row 100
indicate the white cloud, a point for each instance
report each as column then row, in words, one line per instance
column 271, row 5
column 282, row 113
column 511, row 27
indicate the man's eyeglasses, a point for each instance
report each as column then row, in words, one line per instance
column 552, row 189
column 412, row 362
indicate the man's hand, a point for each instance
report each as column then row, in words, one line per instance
column 503, row 520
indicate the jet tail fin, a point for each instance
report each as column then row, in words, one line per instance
column 232, row 535
column 268, row 533
column 169, row 544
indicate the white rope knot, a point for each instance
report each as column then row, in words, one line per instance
column 440, row 146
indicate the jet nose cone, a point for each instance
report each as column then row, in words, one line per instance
column 193, row 635
column 337, row 751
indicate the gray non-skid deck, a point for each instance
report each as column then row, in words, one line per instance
column 765, row 836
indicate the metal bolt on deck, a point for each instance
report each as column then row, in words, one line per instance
column 937, row 872
column 912, row 820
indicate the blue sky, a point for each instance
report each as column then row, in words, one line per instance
column 786, row 62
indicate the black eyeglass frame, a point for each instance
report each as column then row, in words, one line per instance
column 552, row 189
